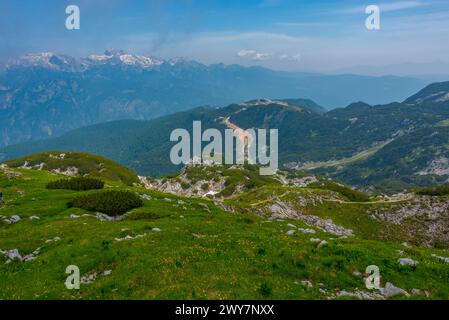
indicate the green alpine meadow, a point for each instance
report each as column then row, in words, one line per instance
column 216, row 232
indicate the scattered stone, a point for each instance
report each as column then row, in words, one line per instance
column 55, row 239
column 416, row 292
column 74, row 216
column 291, row 232
column 205, row 206
column 405, row 244
column 211, row 193
column 441, row 258
column 361, row 295
column 106, row 273
column 70, row 171
column 128, row 237
column 291, row 225
column 307, row 283
column 34, row 218
column 11, row 254
column 156, row 230
column 390, row 291
column 105, row 217
column 13, row 219
column 60, row 156
column 407, row 262
column 400, row 252
column 198, row 236
column 357, row 274
column 322, row 243
column 307, row 231
column 167, row 200
column 146, row 197
column 315, row 240
column 89, row 278
column 281, row 210
column 14, row 254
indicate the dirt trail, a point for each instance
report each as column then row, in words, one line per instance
column 241, row 133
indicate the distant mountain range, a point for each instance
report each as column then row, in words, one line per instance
column 433, row 71
column 46, row 95
column 389, row 147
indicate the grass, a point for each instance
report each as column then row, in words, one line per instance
column 348, row 193
column 201, row 252
column 91, row 165
column 355, row 158
column 443, row 123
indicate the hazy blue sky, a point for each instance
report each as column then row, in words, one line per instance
column 282, row 34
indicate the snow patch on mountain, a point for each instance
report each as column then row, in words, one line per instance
column 47, row 60
column 54, row 61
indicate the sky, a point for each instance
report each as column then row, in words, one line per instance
column 292, row 35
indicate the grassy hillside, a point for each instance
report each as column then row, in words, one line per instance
column 418, row 159
column 236, row 246
column 74, row 163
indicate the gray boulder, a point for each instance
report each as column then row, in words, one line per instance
column 407, row 262
column 390, row 291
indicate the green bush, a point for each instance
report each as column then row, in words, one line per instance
column 78, row 184
column 435, row 191
column 265, row 289
column 109, row 202
column 350, row 194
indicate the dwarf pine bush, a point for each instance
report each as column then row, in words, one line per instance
column 78, row 184
column 435, row 191
column 109, row 202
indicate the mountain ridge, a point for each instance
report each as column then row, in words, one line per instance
column 46, row 95
column 341, row 143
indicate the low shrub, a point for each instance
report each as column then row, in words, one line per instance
column 109, row 202
column 435, row 191
column 78, row 184
column 265, row 290
column 351, row 194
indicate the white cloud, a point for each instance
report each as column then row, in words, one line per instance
column 259, row 56
column 252, row 54
column 394, row 6
column 301, row 24
column 288, row 57
column 387, row 6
